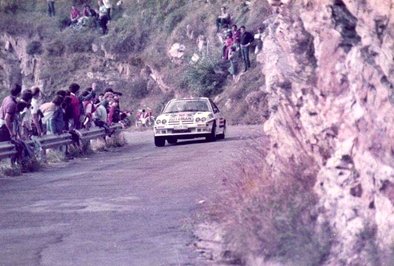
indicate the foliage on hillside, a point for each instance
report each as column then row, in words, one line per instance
column 140, row 35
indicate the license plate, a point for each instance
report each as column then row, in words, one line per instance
column 181, row 127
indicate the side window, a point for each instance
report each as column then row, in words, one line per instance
column 214, row 107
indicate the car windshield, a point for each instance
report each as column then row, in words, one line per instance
column 186, row 106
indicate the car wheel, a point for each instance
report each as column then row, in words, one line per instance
column 172, row 140
column 222, row 136
column 160, row 141
column 212, row 135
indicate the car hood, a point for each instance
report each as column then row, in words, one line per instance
column 183, row 116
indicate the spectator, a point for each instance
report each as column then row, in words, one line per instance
column 114, row 112
column 63, row 93
column 74, row 15
column 233, row 69
column 202, row 45
column 51, row 8
column 55, row 123
column 246, row 39
column 236, row 36
column 100, row 117
column 223, row 19
column 88, row 11
column 47, row 109
column 88, row 108
column 25, row 116
column 76, row 106
column 109, row 94
column 8, row 112
column 36, row 115
column 103, row 17
column 68, row 112
column 90, row 16
column 258, row 37
column 223, row 34
column 101, row 97
column 108, row 5
column 87, row 95
column 228, row 43
column 21, row 106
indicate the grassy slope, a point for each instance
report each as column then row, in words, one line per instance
column 140, row 35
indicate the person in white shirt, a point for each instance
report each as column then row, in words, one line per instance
column 100, row 117
column 223, row 19
column 108, row 6
column 35, row 107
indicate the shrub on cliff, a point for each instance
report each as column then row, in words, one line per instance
column 78, row 42
column 205, row 78
column 34, row 47
column 9, row 6
column 55, row 48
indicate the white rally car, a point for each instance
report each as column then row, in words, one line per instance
column 187, row 119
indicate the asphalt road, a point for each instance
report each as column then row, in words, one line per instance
column 132, row 206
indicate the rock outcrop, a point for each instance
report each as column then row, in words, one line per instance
column 330, row 74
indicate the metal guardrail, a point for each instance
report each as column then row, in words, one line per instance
column 7, row 149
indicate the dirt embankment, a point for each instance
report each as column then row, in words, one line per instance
column 329, row 75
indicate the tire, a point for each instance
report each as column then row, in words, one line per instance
column 172, row 140
column 222, row 136
column 212, row 136
column 160, row 141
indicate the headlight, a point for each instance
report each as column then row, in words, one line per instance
column 203, row 119
column 158, row 121
column 163, row 121
column 198, row 119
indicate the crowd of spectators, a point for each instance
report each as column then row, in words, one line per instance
column 237, row 42
column 24, row 114
column 87, row 16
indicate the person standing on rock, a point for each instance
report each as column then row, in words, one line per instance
column 108, row 6
column 103, row 17
column 245, row 42
column 51, row 8
column 223, row 19
column 8, row 112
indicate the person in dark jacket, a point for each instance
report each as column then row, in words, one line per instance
column 246, row 39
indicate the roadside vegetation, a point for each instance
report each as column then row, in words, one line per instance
column 269, row 211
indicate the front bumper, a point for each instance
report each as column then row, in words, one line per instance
column 184, row 131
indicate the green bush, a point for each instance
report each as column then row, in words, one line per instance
column 55, row 48
column 34, row 47
column 9, row 6
column 78, row 42
column 205, row 78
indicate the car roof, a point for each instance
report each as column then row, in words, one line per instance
column 190, row 99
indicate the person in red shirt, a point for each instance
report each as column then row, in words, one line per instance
column 8, row 112
column 228, row 43
column 236, row 34
column 74, row 14
column 75, row 105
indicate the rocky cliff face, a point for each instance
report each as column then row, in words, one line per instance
column 330, row 72
column 51, row 71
